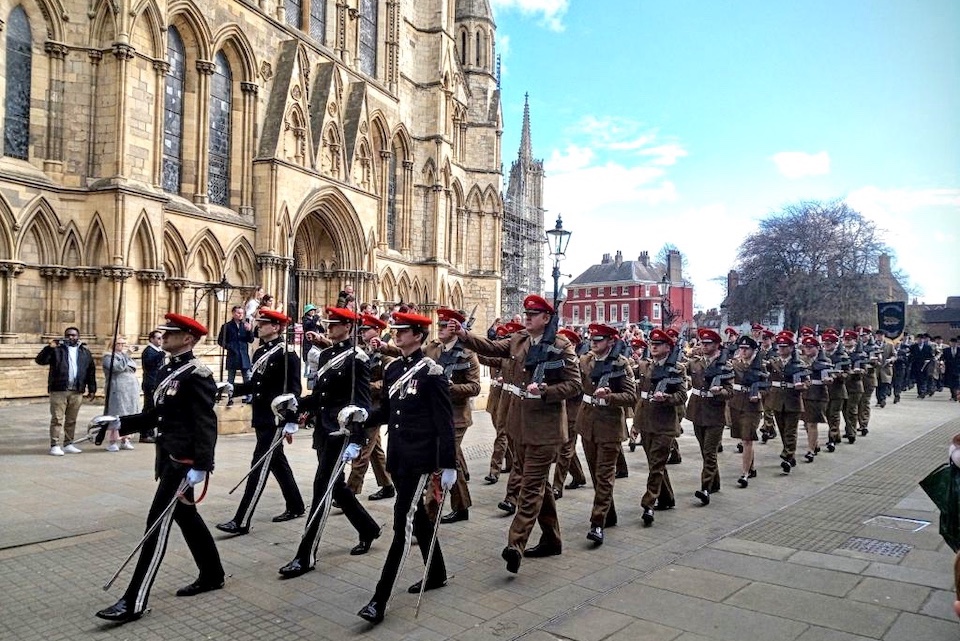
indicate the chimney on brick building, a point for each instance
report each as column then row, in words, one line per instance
column 644, row 259
column 733, row 280
column 883, row 265
column 605, row 260
column 618, row 259
column 674, row 266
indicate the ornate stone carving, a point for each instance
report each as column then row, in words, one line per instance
column 54, row 271
column 296, row 92
column 161, row 66
column 266, row 70
column 151, row 275
column 88, row 273
column 95, row 56
column 123, row 51
column 272, row 260
column 11, row 268
column 206, row 67
column 117, row 272
column 176, row 284
column 55, row 49
column 250, row 88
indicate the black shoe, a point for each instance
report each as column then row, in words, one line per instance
column 809, row 457
column 573, row 485
column 647, row 517
column 505, row 469
column 372, row 612
column 512, row 557
column 557, row 493
column 364, row 545
column 830, row 446
column 703, row 495
column 199, row 587
column 633, row 446
column 490, row 479
column 660, row 505
column 816, row 451
column 864, row 431
column 764, row 437
column 120, row 612
column 334, row 504
column 610, row 521
column 287, row 516
column 752, row 474
column 596, row 535
column 455, row 516
column 785, row 466
column 541, row 550
column 231, row 527
column 851, row 438
column 622, row 474
column 739, row 448
column 385, row 492
column 720, row 449
column 507, row 507
column 742, row 481
column 674, row 458
column 294, row 569
column 431, row 585
column 896, row 399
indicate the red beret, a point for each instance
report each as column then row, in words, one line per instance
column 830, row 337
column 660, row 336
column 807, row 331
column 731, row 332
column 767, row 334
column 757, row 327
column 810, row 341
column 272, row 316
column 403, row 320
column 570, row 335
column 534, row 303
column 341, row 315
column 706, row 334
column 830, row 330
column 785, row 338
column 181, row 323
column 372, row 322
column 444, row 314
column 509, row 328
column 850, row 335
column 599, row 329
column 672, row 333
column 638, row 344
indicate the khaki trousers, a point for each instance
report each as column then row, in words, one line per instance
column 788, row 423
column 568, row 461
column 535, row 503
column 657, row 448
column 64, row 407
column 709, row 437
column 602, row 463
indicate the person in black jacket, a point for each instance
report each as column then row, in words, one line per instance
column 186, row 437
column 340, row 403
column 275, row 371
column 72, row 372
column 921, row 364
column 415, row 405
column 152, row 359
column 235, row 335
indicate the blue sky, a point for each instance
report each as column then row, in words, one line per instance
column 688, row 121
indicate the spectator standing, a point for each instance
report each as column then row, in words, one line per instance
column 152, row 360
column 235, row 335
column 253, row 304
column 71, row 373
column 120, row 371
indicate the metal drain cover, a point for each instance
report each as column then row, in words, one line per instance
column 898, row 523
column 876, row 546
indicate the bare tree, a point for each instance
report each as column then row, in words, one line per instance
column 817, row 260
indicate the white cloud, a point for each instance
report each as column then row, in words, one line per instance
column 876, row 202
column 570, row 159
column 665, row 154
column 551, row 12
column 797, row 164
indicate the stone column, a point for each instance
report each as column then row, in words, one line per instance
column 89, row 278
column 118, row 275
column 206, row 69
column 150, row 280
column 53, row 276
column 9, row 270
column 273, row 275
column 405, row 215
column 392, row 46
column 53, row 163
column 95, row 58
column 123, row 53
column 176, row 287
column 248, row 145
column 162, row 68
column 385, row 157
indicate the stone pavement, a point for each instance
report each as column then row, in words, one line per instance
column 837, row 550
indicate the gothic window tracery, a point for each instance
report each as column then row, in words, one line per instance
column 16, row 124
column 368, row 37
column 221, row 106
column 173, row 113
column 318, row 20
column 293, row 13
column 393, row 181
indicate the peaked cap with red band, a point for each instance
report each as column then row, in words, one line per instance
column 273, row 316
column 660, row 336
column 599, row 329
column 372, row 322
column 406, row 320
column 341, row 315
column 570, row 335
column 705, row 334
column 810, row 341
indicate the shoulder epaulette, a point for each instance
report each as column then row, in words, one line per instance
column 201, row 370
column 362, row 356
column 434, row 368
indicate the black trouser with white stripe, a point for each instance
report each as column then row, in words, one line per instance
column 275, row 464
column 409, row 518
column 194, row 530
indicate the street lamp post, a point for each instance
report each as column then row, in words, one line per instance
column 664, row 301
column 559, row 238
column 221, row 291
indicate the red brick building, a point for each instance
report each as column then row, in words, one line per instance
column 620, row 292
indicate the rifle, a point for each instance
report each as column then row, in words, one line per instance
column 756, row 377
column 668, row 377
column 719, row 370
column 539, row 355
column 473, row 317
column 795, row 370
column 604, row 369
column 823, row 369
column 841, row 358
column 859, row 356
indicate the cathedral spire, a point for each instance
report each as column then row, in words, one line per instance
column 526, row 147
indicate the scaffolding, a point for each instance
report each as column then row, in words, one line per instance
column 523, row 236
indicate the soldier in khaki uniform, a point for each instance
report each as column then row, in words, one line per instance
column 788, row 379
column 711, row 386
column 538, row 421
column 608, row 388
column 501, row 460
column 855, row 387
column 568, row 461
column 462, row 369
column 372, row 454
column 838, row 386
column 870, row 379
column 886, row 357
column 745, row 405
column 768, row 429
column 655, row 421
column 817, row 393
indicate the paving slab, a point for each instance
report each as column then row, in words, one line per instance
column 913, row 627
column 702, row 584
column 828, row 561
column 934, row 579
column 891, row 594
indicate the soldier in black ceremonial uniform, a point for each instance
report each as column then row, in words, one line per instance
column 275, row 371
column 419, row 415
column 186, row 428
column 340, row 402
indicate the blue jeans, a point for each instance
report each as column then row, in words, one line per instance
column 232, row 376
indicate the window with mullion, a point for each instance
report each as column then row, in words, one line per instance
column 368, row 37
column 173, row 114
column 293, row 10
column 318, row 20
column 392, row 202
column 16, row 123
column 221, row 107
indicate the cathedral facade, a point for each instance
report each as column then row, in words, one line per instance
column 153, row 149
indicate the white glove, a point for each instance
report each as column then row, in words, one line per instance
column 290, row 429
column 352, row 452
column 448, row 478
column 351, row 414
column 105, row 420
column 195, row 476
column 224, row 390
column 283, row 403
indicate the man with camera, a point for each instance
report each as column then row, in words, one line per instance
column 72, row 372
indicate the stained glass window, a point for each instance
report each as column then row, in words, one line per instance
column 221, row 105
column 318, row 20
column 392, row 202
column 294, row 12
column 173, row 113
column 368, row 37
column 16, row 124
